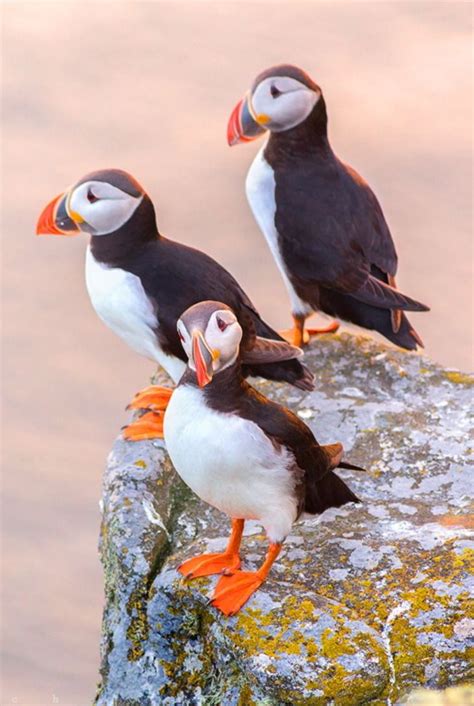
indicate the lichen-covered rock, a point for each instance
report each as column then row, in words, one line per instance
column 365, row 603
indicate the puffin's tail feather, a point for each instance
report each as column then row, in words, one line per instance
column 329, row 491
column 351, row 467
column 381, row 294
column 406, row 336
column 347, row 308
column 334, row 454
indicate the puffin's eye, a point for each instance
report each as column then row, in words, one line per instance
column 222, row 324
column 275, row 92
column 92, row 198
column 181, row 337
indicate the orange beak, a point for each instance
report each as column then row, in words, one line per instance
column 242, row 126
column 202, row 358
column 55, row 220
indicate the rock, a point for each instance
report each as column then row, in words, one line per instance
column 366, row 602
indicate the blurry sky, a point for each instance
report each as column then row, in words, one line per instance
column 148, row 87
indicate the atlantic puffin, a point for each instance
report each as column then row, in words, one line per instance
column 242, row 453
column 322, row 222
column 139, row 282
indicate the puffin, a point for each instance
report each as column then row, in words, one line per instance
column 139, row 283
column 322, row 222
column 242, row 453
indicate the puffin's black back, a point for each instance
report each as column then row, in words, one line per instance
column 331, row 228
column 175, row 277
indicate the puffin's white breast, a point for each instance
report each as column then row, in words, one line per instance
column 121, row 302
column 230, row 463
column 260, row 190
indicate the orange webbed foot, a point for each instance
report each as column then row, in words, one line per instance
column 300, row 337
column 330, row 328
column 208, row 564
column 232, row 592
column 153, row 397
column 148, row 426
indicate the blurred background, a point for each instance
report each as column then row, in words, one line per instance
column 148, row 87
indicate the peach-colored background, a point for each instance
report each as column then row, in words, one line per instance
column 148, row 87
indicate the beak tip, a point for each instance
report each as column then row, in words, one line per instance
column 41, row 228
column 47, row 224
column 242, row 126
column 203, row 383
column 232, row 140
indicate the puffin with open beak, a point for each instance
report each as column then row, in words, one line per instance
column 322, row 222
column 242, row 453
column 139, row 283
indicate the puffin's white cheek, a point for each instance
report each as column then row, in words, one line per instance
column 109, row 215
column 292, row 109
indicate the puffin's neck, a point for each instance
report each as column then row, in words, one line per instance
column 225, row 388
column 309, row 137
column 117, row 247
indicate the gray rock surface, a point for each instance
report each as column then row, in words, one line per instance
column 365, row 603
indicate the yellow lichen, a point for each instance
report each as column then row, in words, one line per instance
column 138, row 629
column 464, row 558
column 458, row 378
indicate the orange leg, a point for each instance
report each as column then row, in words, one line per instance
column 208, row 564
column 299, row 336
column 233, row 591
column 152, row 397
column 148, row 426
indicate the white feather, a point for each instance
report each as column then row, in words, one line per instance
column 230, row 463
column 121, row 302
column 292, row 107
column 260, row 189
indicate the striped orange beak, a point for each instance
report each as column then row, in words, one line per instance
column 202, row 359
column 242, row 126
column 55, row 219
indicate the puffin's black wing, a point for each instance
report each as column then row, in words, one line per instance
column 176, row 276
column 290, row 370
column 337, row 235
column 317, row 486
column 375, row 238
column 337, row 246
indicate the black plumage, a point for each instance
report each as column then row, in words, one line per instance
column 175, row 277
column 333, row 236
column 335, row 243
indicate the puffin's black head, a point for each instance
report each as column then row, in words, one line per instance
column 100, row 203
column 210, row 335
column 281, row 98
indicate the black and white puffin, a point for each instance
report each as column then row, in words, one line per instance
column 140, row 282
column 242, row 453
column 322, row 222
